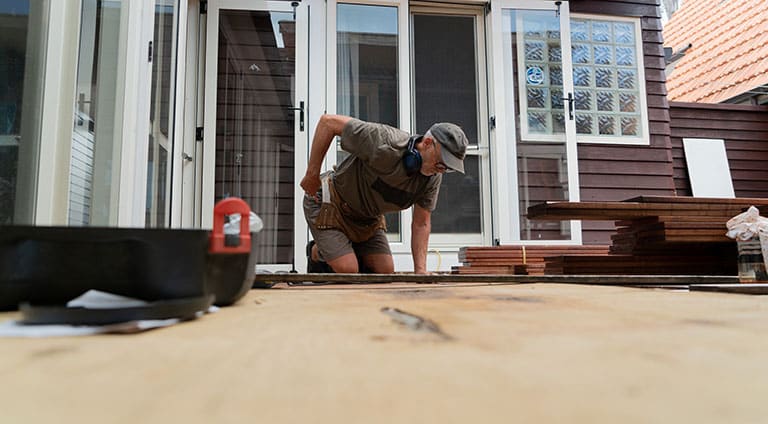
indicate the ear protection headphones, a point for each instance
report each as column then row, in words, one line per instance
column 412, row 157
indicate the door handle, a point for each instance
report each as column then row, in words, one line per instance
column 301, row 114
column 570, row 101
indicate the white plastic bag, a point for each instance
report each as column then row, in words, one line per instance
column 747, row 225
column 749, row 229
column 233, row 226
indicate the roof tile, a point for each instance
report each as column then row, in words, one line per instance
column 729, row 49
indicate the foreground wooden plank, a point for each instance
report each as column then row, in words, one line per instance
column 627, row 280
column 732, row 288
column 544, row 353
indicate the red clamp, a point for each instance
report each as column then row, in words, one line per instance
column 218, row 241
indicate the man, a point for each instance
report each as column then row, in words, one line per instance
column 388, row 170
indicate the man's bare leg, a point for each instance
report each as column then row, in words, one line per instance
column 345, row 264
column 380, row 263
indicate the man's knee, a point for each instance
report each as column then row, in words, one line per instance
column 346, row 264
column 380, row 263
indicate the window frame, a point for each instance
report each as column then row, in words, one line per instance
column 644, row 138
column 480, row 150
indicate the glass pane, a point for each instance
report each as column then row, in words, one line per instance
column 583, row 100
column 255, row 123
column 580, row 53
column 627, row 79
column 583, row 123
column 460, row 216
column 22, row 65
column 543, row 175
column 601, row 32
column 625, row 56
column 442, row 96
column 604, row 77
column 607, row 125
column 95, row 163
column 366, row 63
column 582, row 77
column 537, row 97
column 541, row 165
column 606, row 101
column 161, row 127
column 603, row 55
column 629, row 126
column 624, row 33
column 628, row 102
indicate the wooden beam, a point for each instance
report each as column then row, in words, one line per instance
column 732, row 288
column 611, row 280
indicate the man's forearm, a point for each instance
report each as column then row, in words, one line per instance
column 329, row 127
column 321, row 142
column 419, row 243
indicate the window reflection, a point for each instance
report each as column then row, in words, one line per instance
column 255, row 121
column 367, row 62
column 13, row 35
column 95, row 161
column 367, row 69
column 22, row 65
column 161, row 129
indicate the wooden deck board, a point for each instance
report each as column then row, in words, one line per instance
column 534, row 353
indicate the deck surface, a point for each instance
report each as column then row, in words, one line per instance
column 482, row 353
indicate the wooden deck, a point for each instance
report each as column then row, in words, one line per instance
column 533, row 353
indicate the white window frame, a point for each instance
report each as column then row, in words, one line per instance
column 452, row 241
column 504, row 144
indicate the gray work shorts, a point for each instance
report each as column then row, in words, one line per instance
column 332, row 243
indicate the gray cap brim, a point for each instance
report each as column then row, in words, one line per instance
column 451, row 161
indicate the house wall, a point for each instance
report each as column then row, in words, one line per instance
column 745, row 131
column 618, row 172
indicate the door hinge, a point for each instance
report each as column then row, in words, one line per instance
column 492, row 122
column 149, row 52
column 199, row 134
column 203, row 7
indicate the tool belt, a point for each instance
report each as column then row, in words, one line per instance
column 335, row 213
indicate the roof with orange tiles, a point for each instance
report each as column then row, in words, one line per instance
column 729, row 49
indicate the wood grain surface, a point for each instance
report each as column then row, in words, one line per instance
column 398, row 353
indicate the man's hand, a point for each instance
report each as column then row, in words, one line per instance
column 311, row 184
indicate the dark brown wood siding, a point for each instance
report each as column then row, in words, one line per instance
column 617, row 172
column 745, row 131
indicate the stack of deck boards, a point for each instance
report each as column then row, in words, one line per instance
column 516, row 259
column 655, row 235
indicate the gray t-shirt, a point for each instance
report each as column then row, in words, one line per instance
column 372, row 180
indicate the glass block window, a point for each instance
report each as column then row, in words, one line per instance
column 609, row 100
